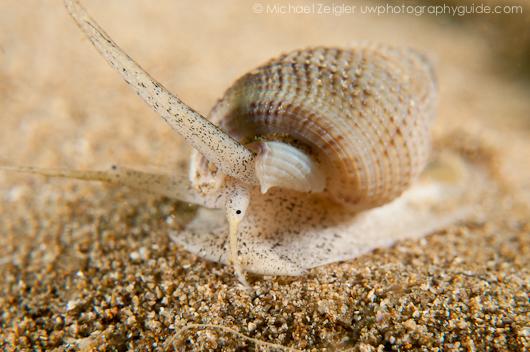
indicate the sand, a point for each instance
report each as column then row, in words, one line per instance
column 86, row 266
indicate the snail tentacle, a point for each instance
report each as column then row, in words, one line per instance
column 218, row 147
column 171, row 186
column 237, row 202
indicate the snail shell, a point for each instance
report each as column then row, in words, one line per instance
column 363, row 113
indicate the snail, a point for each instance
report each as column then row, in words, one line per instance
column 312, row 158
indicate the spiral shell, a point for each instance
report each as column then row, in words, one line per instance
column 363, row 113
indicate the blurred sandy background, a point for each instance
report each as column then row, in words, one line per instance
column 86, row 265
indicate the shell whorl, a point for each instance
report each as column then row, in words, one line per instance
column 364, row 113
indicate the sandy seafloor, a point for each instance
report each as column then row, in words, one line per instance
column 85, row 266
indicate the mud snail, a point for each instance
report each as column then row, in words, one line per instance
column 314, row 157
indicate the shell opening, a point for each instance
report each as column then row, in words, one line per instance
column 282, row 165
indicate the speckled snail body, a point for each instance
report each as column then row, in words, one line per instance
column 303, row 161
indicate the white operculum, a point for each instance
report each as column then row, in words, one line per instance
column 282, row 165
